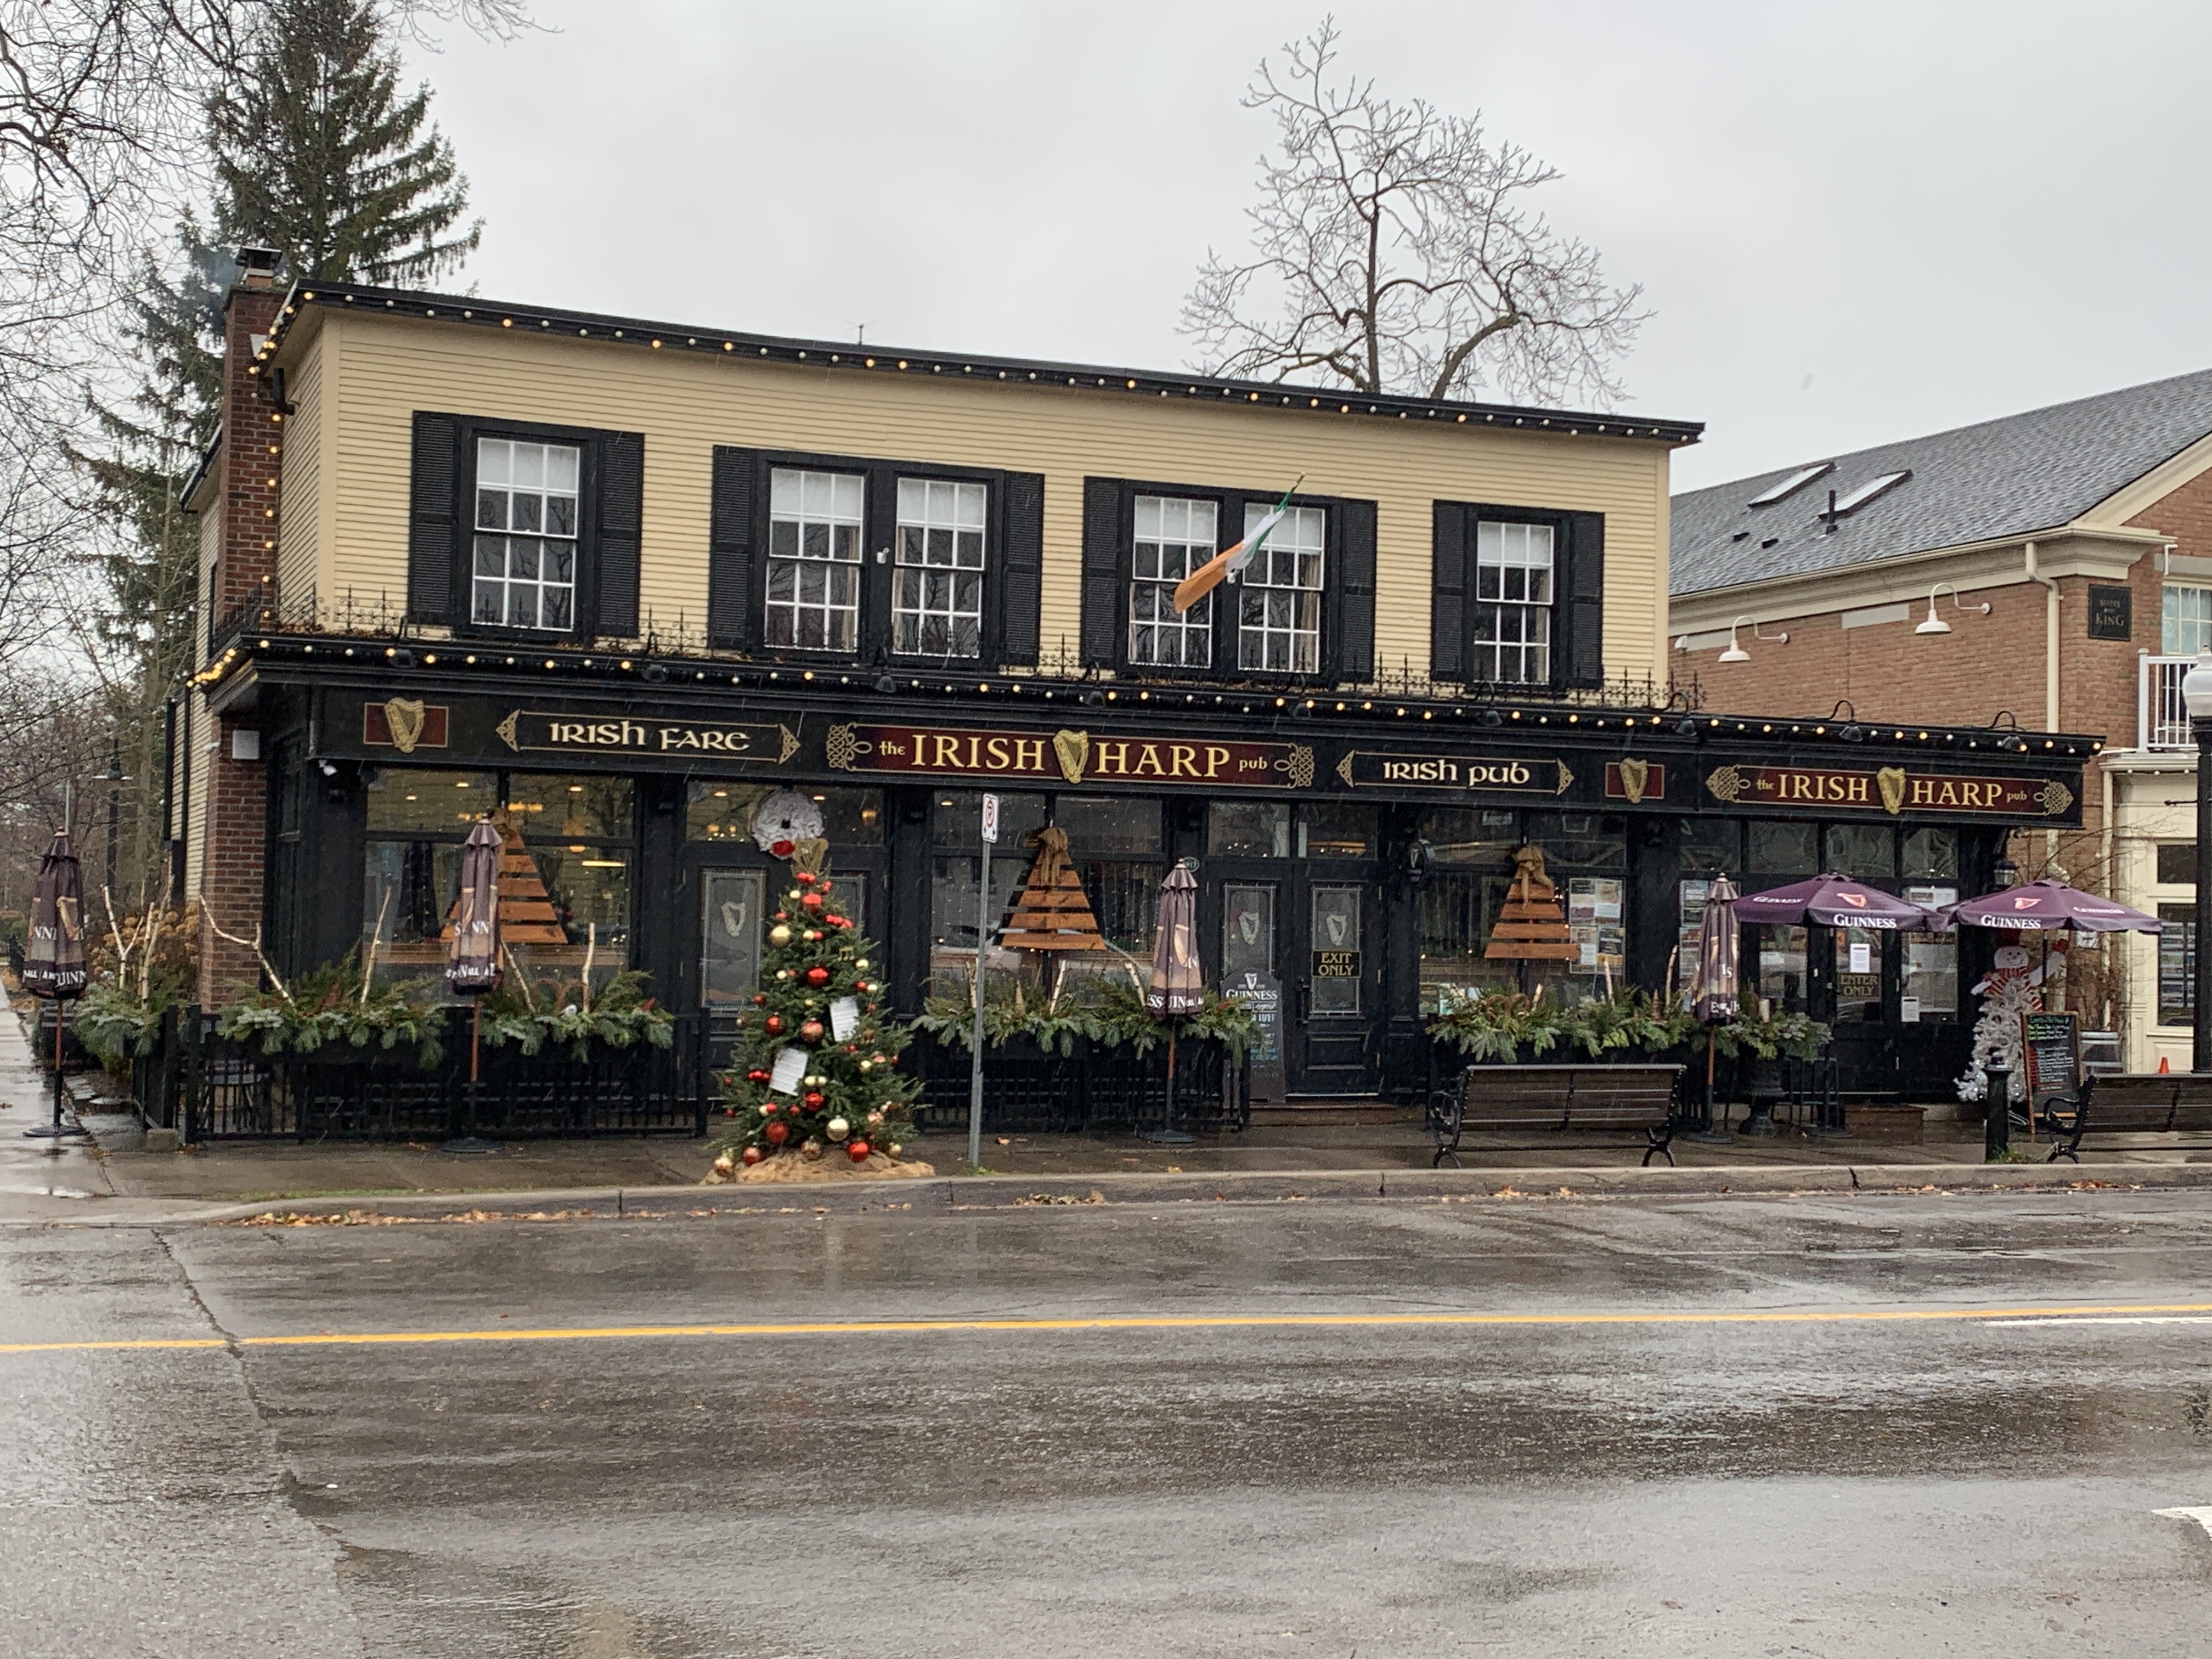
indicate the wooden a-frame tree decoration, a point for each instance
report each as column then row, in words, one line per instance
column 1053, row 912
column 526, row 915
column 1531, row 927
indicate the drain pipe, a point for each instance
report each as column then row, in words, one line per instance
column 2050, row 673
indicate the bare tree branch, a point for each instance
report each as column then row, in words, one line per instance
column 1394, row 249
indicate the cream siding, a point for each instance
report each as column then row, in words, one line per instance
column 196, row 770
column 299, row 521
column 685, row 404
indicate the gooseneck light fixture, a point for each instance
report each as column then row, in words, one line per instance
column 1936, row 625
column 1736, row 653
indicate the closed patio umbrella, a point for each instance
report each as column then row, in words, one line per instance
column 472, row 959
column 53, row 966
column 1713, row 995
column 1177, row 986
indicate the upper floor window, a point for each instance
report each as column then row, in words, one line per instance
column 814, row 559
column 1278, row 611
column 2186, row 621
column 1174, row 536
column 524, row 574
column 937, row 608
column 1512, row 603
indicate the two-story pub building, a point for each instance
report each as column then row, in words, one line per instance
column 655, row 596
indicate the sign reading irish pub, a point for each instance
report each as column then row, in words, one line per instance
column 1068, row 756
column 1891, row 789
column 1361, row 768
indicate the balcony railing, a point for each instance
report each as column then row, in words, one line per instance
column 2161, row 717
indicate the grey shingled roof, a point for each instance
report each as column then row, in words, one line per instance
column 2003, row 478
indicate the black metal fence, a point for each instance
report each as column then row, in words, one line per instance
column 1094, row 1091
column 211, row 1088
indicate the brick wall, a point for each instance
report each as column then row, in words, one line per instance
column 232, row 867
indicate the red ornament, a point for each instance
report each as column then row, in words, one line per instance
column 863, row 985
column 775, row 1024
column 756, row 1076
column 769, row 1108
column 805, row 879
column 752, row 1155
column 812, row 1031
column 760, row 997
column 777, row 1133
column 857, row 1150
column 818, row 974
column 837, row 922
column 852, row 1048
column 811, row 901
column 814, row 1099
column 783, row 849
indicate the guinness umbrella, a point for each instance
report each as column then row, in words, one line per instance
column 472, row 960
column 1834, row 902
column 54, row 965
column 1176, row 988
column 2047, row 904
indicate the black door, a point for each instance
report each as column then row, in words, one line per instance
column 1309, row 934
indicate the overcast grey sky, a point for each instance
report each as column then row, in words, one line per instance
column 1855, row 222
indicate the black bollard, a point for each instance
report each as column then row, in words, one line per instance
column 1997, row 1113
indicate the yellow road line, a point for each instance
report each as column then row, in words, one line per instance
column 1132, row 1323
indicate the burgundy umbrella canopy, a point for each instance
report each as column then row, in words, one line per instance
column 472, row 960
column 1715, row 998
column 1834, row 902
column 2043, row 905
column 1177, row 984
column 53, row 966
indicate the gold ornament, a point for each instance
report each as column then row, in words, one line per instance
column 810, row 1148
column 837, row 1128
column 779, row 936
column 724, row 1164
column 875, row 1120
column 862, row 965
column 895, row 1149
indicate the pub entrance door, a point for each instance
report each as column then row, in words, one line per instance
column 1310, row 933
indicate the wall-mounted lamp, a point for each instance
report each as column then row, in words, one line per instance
column 1736, row 653
column 1936, row 625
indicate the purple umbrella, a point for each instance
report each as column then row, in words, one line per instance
column 2043, row 905
column 1833, row 901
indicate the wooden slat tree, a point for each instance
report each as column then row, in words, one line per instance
column 1531, row 927
column 1053, row 912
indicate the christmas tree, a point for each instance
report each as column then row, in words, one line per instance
column 815, row 1070
column 1531, row 926
column 1054, row 912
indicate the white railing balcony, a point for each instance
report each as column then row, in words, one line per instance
column 2161, row 717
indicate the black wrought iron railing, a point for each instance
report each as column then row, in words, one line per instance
column 211, row 1088
column 1094, row 1091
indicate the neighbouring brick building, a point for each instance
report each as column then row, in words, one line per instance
column 2067, row 554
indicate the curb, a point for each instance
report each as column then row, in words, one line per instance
column 957, row 1194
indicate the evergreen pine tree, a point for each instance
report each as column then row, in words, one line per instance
column 318, row 155
column 839, row 1096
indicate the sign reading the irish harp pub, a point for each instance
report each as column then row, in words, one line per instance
column 1074, row 757
column 1891, row 789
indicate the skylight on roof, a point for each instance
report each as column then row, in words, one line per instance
column 1867, row 492
column 1795, row 481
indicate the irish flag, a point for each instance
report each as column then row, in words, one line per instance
column 1210, row 575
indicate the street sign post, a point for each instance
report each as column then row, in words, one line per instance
column 983, row 944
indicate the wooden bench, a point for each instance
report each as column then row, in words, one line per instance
column 2148, row 1103
column 1558, row 1099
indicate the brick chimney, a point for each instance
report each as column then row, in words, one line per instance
column 248, row 498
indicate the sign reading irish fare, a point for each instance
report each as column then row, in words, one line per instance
column 1068, row 756
column 1890, row 789
column 532, row 730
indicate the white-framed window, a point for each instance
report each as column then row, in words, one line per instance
column 938, row 607
column 814, row 558
column 1174, row 535
column 1514, row 586
column 2186, row 620
column 524, row 573
column 1278, row 611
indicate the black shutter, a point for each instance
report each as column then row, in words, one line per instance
column 1447, row 562
column 1355, row 590
column 1103, row 605
column 730, row 549
column 1582, row 602
column 1021, row 569
column 434, row 534
column 621, row 516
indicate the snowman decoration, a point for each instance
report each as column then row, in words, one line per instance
column 784, row 820
column 2010, row 989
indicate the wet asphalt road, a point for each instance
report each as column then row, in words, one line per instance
column 1823, row 1487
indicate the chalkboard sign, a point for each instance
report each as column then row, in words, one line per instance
column 1262, row 993
column 2052, row 1046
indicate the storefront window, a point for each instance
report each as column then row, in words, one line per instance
column 1783, row 850
column 1929, row 989
column 1097, row 824
column 1932, row 853
column 400, row 799
column 1867, row 851
column 2177, row 864
column 1858, row 973
column 1247, row 829
column 1478, row 838
column 544, row 806
column 957, row 873
column 721, row 809
column 1473, row 851
column 2177, row 965
column 1782, row 968
column 958, row 823
column 1326, row 831
column 1712, row 846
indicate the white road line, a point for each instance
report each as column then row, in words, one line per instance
column 2111, row 1319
